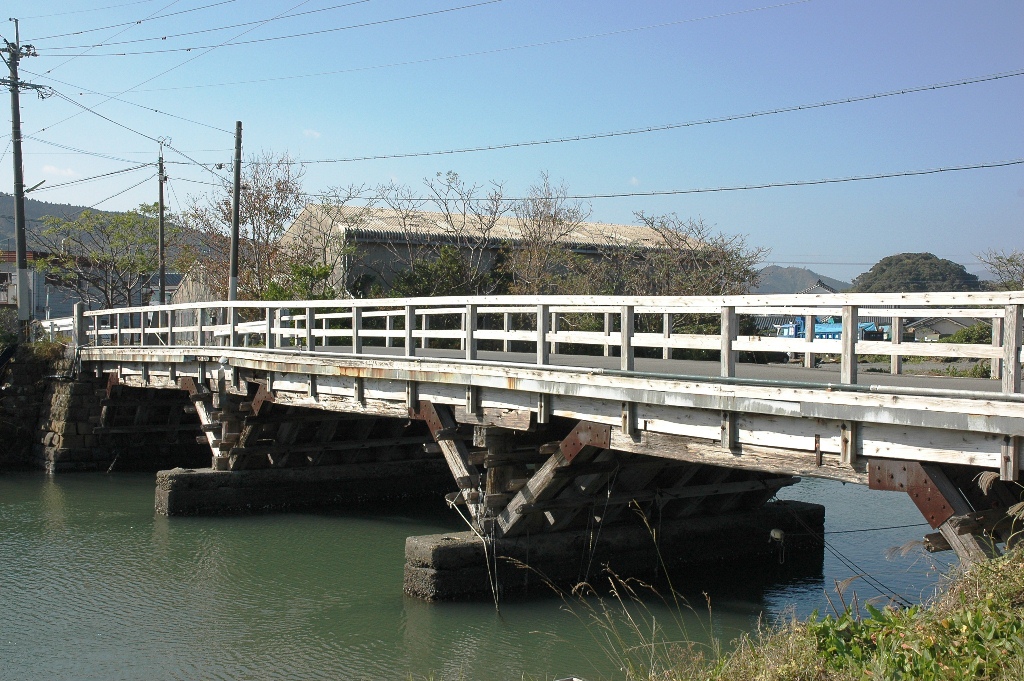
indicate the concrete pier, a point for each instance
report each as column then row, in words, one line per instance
column 453, row 566
column 184, row 491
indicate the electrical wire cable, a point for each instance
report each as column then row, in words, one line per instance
column 83, row 90
column 306, row 34
column 479, row 53
column 92, row 178
column 205, row 30
column 132, row 23
column 675, row 126
column 877, row 529
column 123, row 191
column 122, row 31
column 76, row 150
column 91, row 9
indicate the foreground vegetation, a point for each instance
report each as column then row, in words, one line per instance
column 973, row 630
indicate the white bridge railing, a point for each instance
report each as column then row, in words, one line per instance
column 627, row 327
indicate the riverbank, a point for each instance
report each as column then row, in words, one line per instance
column 973, row 629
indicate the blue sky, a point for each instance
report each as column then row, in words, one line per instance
column 408, row 86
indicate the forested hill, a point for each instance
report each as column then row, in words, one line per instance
column 34, row 211
column 775, row 279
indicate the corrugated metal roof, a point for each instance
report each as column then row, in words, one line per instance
column 387, row 225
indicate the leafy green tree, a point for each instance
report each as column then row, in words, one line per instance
column 915, row 272
column 103, row 258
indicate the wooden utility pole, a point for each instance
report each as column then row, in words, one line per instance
column 160, row 228
column 236, row 192
column 14, row 53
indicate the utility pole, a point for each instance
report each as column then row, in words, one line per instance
column 15, row 52
column 160, row 226
column 235, row 195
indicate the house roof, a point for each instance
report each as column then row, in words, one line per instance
column 387, row 225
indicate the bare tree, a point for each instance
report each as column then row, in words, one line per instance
column 1008, row 266
column 540, row 261
column 695, row 260
column 271, row 198
column 103, row 258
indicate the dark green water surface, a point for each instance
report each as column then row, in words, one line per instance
column 94, row 585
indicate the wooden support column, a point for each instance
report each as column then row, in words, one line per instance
column 896, row 336
column 78, row 334
column 1009, row 458
column 410, row 324
column 849, row 437
column 809, row 323
column 851, row 329
column 728, row 359
column 1012, row 329
column 543, row 319
column 470, row 327
column 443, row 427
column 730, row 433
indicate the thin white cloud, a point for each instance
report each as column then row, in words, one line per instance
column 309, row 132
column 634, row 182
column 59, row 172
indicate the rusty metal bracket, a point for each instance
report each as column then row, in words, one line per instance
column 585, row 434
column 910, row 477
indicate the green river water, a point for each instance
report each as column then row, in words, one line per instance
column 94, row 585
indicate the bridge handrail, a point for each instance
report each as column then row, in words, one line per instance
column 539, row 322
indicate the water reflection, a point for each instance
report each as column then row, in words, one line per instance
column 95, row 586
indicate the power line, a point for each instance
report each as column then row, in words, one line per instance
column 92, row 178
column 127, row 101
column 75, row 150
column 305, row 34
column 201, row 31
column 124, row 30
column 804, row 183
column 123, row 191
column 93, row 9
column 132, row 23
column 95, row 113
column 676, row 126
column 479, row 53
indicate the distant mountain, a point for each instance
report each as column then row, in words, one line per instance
column 34, row 211
column 775, row 279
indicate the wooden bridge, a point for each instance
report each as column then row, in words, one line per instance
column 541, row 405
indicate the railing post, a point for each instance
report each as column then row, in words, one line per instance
column 1012, row 332
column 142, row 328
column 626, row 360
column 357, row 326
column 607, row 334
column 232, row 320
column 470, row 337
column 809, row 323
column 728, row 359
column 117, row 336
column 506, row 344
column 170, row 328
column 543, row 319
column 850, row 332
column 556, row 325
column 389, row 326
column 78, row 334
column 424, row 342
column 200, row 315
column 269, row 331
column 310, row 321
column 410, row 324
column 996, row 365
column 666, row 331
column 896, row 336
